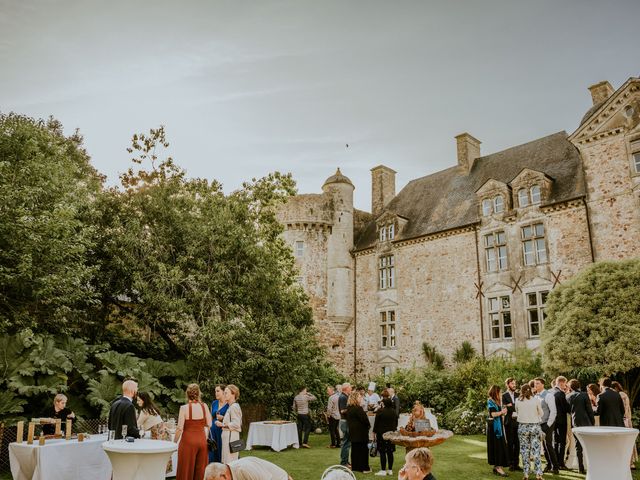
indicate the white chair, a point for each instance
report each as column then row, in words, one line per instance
column 338, row 472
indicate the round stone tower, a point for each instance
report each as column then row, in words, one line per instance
column 340, row 301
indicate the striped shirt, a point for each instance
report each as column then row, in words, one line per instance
column 301, row 403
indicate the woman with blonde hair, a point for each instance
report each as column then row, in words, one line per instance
column 194, row 422
column 359, row 425
column 231, row 423
column 60, row 411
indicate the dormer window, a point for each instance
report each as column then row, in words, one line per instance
column 387, row 232
column 492, row 205
column 498, row 204
column 486, row 207
column 523, row 198
column 535, row 194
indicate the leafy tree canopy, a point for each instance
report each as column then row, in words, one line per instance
column 47, row 194
column 593, row 323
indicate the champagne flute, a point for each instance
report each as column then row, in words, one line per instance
column 124, row 431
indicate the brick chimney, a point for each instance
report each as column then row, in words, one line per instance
column 600, row 92
column 468, row 151
column 383, row 188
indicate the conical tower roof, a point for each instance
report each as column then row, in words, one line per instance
column 338, row 177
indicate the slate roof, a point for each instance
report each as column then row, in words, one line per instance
column 446, row 200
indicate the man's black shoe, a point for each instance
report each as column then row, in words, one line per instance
column 555, row 471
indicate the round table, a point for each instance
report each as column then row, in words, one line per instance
column 607, row 451
column 139, row 460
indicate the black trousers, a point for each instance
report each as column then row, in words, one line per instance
column 513, row 442
column 560, row 441
column 359, row 457
column 333, row 431
column 386, row 449
column 304, row 426
column 549, row 452
column 579, row 454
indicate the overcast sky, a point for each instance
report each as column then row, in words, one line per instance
column 245, row 88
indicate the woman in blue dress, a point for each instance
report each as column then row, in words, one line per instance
column 218, row 409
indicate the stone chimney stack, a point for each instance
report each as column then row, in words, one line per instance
column 383, row 188
column 600, row 92
column 468, row 151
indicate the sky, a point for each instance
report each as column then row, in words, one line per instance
column 246, row 88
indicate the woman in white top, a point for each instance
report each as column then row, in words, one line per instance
column 231, row 424
column 149, row 416
column 529, row 414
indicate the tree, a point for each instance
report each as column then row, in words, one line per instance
column 207, row 273
column 48, row 191
column 432, row 356
column 593, row 324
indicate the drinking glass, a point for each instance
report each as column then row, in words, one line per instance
column 124, row 431
column 112, row 436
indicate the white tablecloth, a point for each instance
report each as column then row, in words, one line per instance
column 60, row 459
column 139, row 460
column 276, row 436
column 607, row 451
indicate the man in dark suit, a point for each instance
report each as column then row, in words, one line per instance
column 560, row 427
column 511, row 424
column 610, row 405
column 395, row 400
column 581, row 415
column 123, row 412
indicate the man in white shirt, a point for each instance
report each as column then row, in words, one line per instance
column 245, row 468
column 372, row 398
column 548, row 403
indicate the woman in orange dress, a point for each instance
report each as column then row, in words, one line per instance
column 194, row 423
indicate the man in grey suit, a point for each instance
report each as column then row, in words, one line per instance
column 123, row 412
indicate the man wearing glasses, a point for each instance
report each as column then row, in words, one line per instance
column 418, row 463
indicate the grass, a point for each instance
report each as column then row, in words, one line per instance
column 460, row 458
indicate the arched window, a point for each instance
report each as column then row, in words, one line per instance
column 535, row 194
column 486, row 207
column 498, row 204
column 523, row 197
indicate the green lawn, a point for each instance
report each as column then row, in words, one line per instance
column 460, row 458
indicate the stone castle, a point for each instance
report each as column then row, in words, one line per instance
column 470, row 252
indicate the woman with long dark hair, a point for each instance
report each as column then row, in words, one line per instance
column 497, row 453
column 218, row 409
column 149, row 417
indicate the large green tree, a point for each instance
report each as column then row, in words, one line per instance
column 48, row 190
column 593, row 324
column 207, row 275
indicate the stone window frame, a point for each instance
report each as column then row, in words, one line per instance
column 386, row 272
column 541, row 295
column 489, row 205
column 526, row 196
column 388, row 323
column 496, row 317
column 496, row 247
column 387, row 232
column 534, row 239
column 634, row 154
column 299, row 248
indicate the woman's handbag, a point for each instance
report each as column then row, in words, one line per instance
column 373, row 449
column 212, row 445
column 236, row 446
